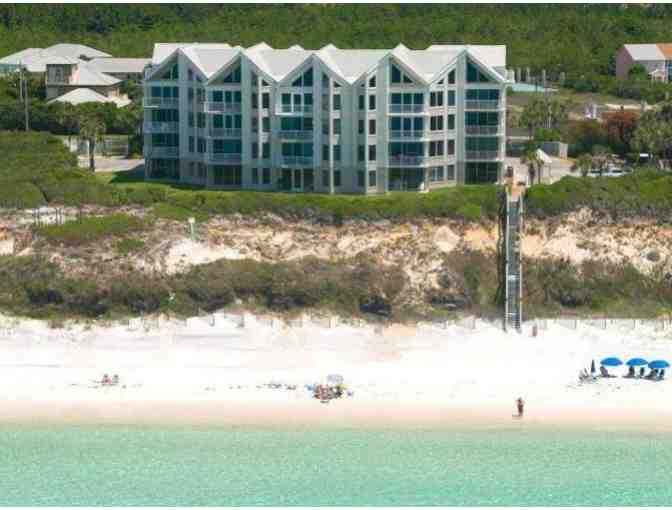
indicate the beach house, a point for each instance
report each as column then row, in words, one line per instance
column 327, row 120
column 655, row 58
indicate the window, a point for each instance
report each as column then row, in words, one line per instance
column 255, row 100
column 436, row 98
column 482, row 95
column 266, row 125
column 201, row 145
column 436, row 123
column 325, row 80
column 190, row 119
column 325, row 153
column 265, row 150
column 337, row 126
column 395, row 74
column 325, row 178
column 337, row 178
column 451, row 122
column 474, row 74
column 336, row 102
column 361, row 126
column 255, row 150
column 190, row 93
column 190, row 75
column 450, row 172
column 191, row 144
column 372, row 152
column 200, row 95
column 233, row 76
column 360, row 179
column 451, row 98
column 360, row 153
column 265, row 100
column 436, row 174
column 227, row 175
column 266, row 176
column 372, row 102
column 451, row 77
column 337, row 152
column 372, row 82
column 451, row 147
column 361, row 102
column 372, row 126
column 255, row 176
column 436, row 148
column 200, row 119
column 305, row 80
column 325, row 127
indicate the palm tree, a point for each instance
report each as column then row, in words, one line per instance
column 533, row 162
column 92, row 128
column 584, row 163
column 601, row 158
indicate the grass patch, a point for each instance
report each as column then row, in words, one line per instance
column 127, row 246
column 90, row 229
column 169, row 211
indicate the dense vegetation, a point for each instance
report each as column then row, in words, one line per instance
column 578, row 39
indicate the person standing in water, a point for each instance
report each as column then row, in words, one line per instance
column 520, row 404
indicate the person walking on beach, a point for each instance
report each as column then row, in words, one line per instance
column 520, row 404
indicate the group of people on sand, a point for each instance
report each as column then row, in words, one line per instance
column 107, row 381
column 325, row 392
column 653, row 375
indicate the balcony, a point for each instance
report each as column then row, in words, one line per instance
column 408, row 108
column 482, row 130
column 160, row 127
column 482, row 155
column 161, row 102
column 224, row 157
column 297, row 160
column 224, row 133
column 471, row 104
column 163, row 152
column 219, row 107
column 413, row 135
column 296, row 108
column 404, row 159
column 295, row 135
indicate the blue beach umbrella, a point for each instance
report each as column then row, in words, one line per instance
column 658, row 364
column 637, row 362
column 611, row 362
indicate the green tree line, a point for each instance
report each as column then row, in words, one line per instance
column 576, row 39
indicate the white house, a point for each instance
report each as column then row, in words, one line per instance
column 327, row 120
column 655, row 58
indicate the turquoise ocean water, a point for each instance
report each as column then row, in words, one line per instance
column 142, row 466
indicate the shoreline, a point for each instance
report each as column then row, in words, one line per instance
column 312, row 415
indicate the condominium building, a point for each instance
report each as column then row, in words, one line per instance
column 328, row 120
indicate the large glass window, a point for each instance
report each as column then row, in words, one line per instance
column 233, row 76
column 475, row 75
column 227, row 175
column 479, row 173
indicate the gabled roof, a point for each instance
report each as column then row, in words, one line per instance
column 350, row 65
column 84, row 95
column 37, row 63
column 76, row 51
column 644, row 51
column 19, row 56
column 491, row 55
column 119, row 65
column 86, row 76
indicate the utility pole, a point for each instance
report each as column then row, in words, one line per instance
column 23, row 94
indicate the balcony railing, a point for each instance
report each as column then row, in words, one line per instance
column 224, row 133
column 224, row 157
column 407, row 108
column 403, row 159
column 297, row 160
column 296, row 108
column 409, row 134
column 482, row 130
column 482, row 155
column 164, row 152
column 216, row 106
column 472, row 104
column 295, row 135
column 160, row 127
column 156, row 102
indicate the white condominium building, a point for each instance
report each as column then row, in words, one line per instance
column 328, row 120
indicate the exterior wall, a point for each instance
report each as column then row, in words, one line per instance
column 200, row 167
column 624, row 62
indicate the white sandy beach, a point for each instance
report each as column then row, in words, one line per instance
column 195, row 373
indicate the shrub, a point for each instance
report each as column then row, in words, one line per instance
column 128, row 246
column 76, row 233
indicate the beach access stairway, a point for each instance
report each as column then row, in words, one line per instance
column 513, row 311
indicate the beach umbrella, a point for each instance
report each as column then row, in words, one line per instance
column 658, row 364
column 611, row 362
column 637, row 362
column 335, row 379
